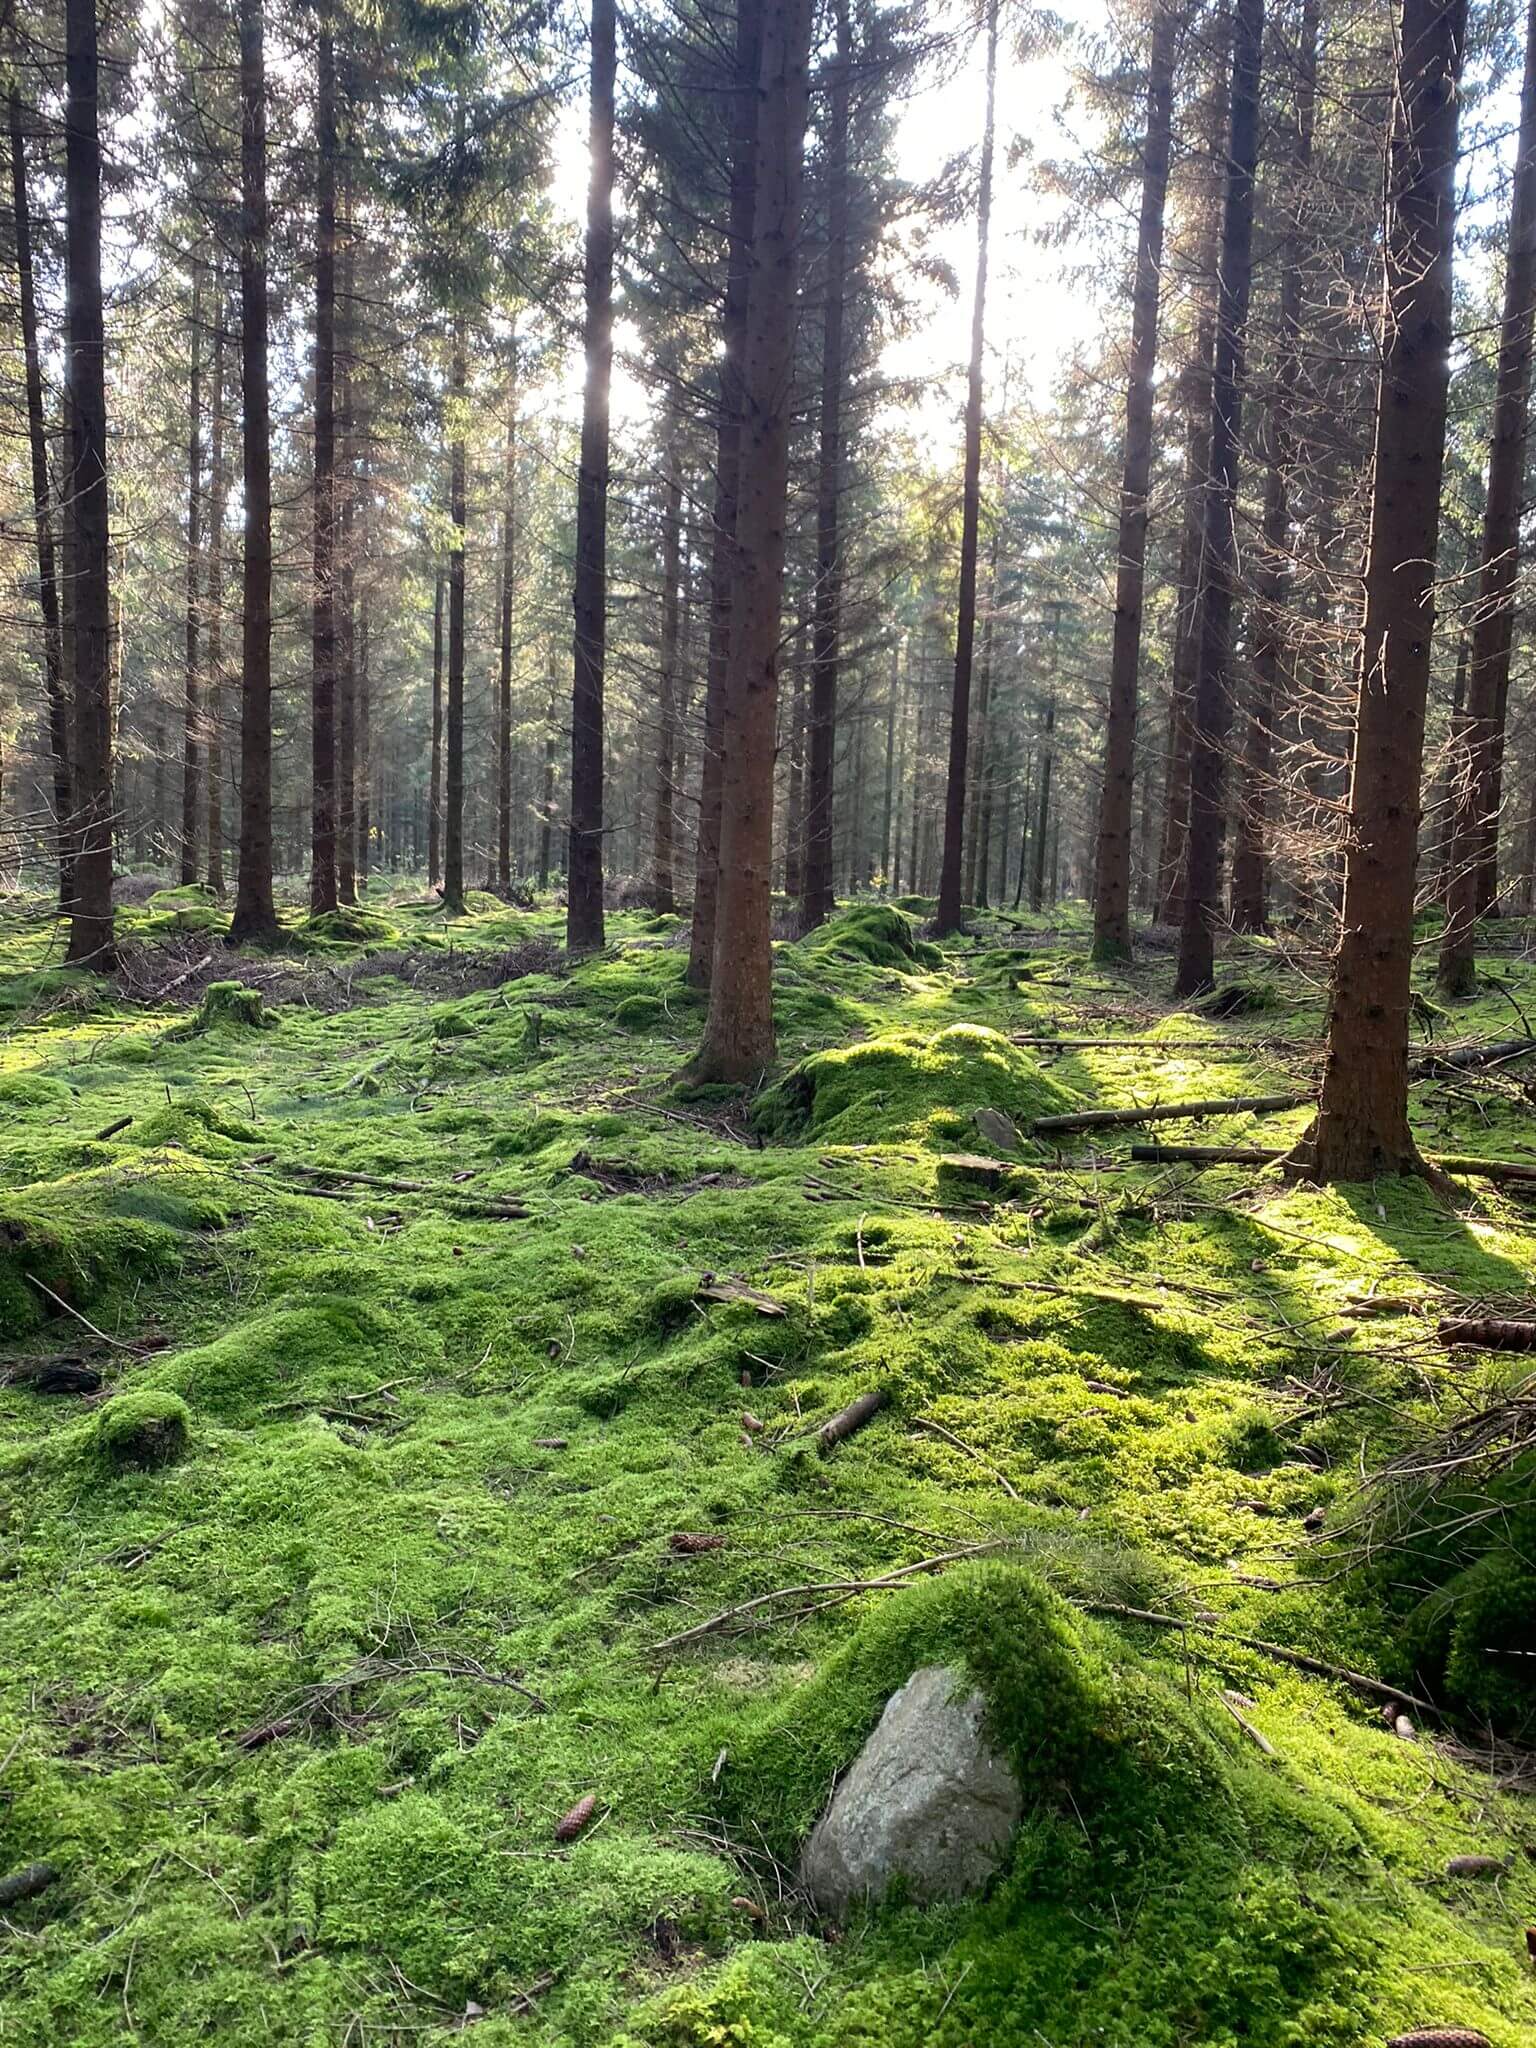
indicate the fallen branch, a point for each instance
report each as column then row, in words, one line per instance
column 26, row 1883
column 482, row 1205
column 117, row 1343
column 1464, row 1057
column 1260, row 1155
column 1103, row 1119
column 1488, row 1333
column 949, row 1437
column 111, row 1130
column 847, row 1421
column 838, row 1589
column 718, row 1287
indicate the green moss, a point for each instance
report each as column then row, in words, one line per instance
column 905, row 1084
column 349, row 926
column 876, row 933
column 141, row 1431
column 225, row 1006
column 638, row 1013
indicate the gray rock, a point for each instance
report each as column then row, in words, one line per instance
column 997, row 1129
column 927, row 1800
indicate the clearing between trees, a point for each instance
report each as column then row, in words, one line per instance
column 467, row 1497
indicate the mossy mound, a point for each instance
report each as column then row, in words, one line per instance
column 876, row 933
column 638, row 1013
column 225, row 1006
column 317, row 1349
column 1106, row 1739
column 349, row 926
column 141, row 1431
column 192, row 1126
column 75, row 1240
column 31, row 1091
column 905, row 1084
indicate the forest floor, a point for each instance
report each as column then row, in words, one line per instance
column 297, row 1712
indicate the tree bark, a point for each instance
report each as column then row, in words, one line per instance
column 1477, row 773
column 91, row 924
column 1250, row 853
column 255, row 917
column 453, row 823
column 664, row 828
column 547, row 803
column 1212, row 710
column 344, row 583
column 42, row 518
column 738, row 1033
column 504, row 672
column 1112, row 885
column 364, row 784
column 435, row 794
column 322, row 856
column 947, row 918
column 826, row 631
column 1361, row 1128
column 584, row 874
column 213, row 694
column 728, row 432
column 192, row 736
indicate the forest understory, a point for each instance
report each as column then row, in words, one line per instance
column 428, row 1604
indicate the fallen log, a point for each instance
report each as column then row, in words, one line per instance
column 722, row 1287
column 1489, row 1169
column 847, row 1421
column 1464, row 1057
column 481, row 1205
column 1488, row 1333
column 111, row 1130
column 1231, row 1105
column 26, row 1883
column 1260, row 1155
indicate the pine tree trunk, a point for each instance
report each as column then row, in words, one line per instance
column 888, row 806
column 255, row 918
column 826, row 631
column 949, row 910
column 1043, row 816
column 191, row 743
column 364, row 736
column 728, row 433
column 547, row 802
column 345, row 579
column 213, row 695
column 435, row 792
column 453, row 823
column 664, row 826
column 322, row 855
column 1361, row 1128
column 1478, row 774
column 90, row 930
column 47, row 571
column 584, row 877
column 1112, row 887
column 980, row 826
column 738, row 1033
column 1212, row 709
column 1250, row 852
column 504, row 672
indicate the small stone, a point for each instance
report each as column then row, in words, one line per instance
column 997, row 1129
column 928, row 1801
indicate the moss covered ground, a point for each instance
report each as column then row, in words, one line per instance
column 345, row 1586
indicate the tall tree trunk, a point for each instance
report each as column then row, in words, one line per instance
column 322, row 855
column 794, row 803
column 192, row 733
column 1250, row 853
column 364, row 747
column 435, row 792
column 1212, row 709
column 504, row 673
column 1361, row 1128
column 344, row 582
column 213, row 694
column 1047, row 753
column 888, row 802
column 47, row 572
column 817, row 807
column 664, row 828
column 728, row 435
column 1478, row 779
column 584, row 878
column 255, row 916
column 1112, row 885
column 453, row 823
column 547, row 801
column 90, row 929
column 949, row 905
column 738, row 1033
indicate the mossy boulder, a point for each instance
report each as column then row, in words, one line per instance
column 142, row 1431
column 904, row 1083
column 876, row 933
column 349, row 926
column 638, row 1013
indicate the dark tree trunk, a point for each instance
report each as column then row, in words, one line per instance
column 192, row 736
column 90, row 929
column 504, row 673
column 738, row 1034
column 1250, row 853
column 1361, row 1128
column 42, row 517
column 547, row 801
column 584, row 878
column 888, row 806
column 949, row 905
column 1112, row 886
column 728, row 433
column 344, row 582
column 453, row 833
column 364, row 798
column 213, row 694
column 435, row 793
column 664, row 827
column 1212, row 709
column 255, row 917
column 826, row 632
column 794, row 806
column 1477, row 776
column 1037, row 872
column 322, row 855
